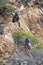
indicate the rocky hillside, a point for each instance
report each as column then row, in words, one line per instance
column 31, row 16
column 31, row 20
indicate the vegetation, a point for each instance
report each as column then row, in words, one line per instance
column 33, row 40
column 9, row 7
column 1, row 61
column 20, row 33
column 2, row 3
column 40, row 46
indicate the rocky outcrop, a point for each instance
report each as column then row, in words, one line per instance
column 35, row 22
column 6, row 45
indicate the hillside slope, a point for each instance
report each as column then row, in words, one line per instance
column 35, row 22
column 31, row 20
column 31, row 15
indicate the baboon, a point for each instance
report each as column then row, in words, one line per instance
column 16, row 18
column 27, row 43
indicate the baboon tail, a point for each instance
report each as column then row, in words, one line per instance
column 19, row 24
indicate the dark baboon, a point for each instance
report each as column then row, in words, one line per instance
column 16, row 18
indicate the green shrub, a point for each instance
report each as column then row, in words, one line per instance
column 23, row 34
column 3, row 3
column 10, row 7
column 40, row 46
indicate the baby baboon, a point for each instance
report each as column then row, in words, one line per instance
column 16, row 18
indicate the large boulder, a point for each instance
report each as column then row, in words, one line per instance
column 6, row 45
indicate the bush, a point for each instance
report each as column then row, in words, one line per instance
column 9, row 7
column 3, row 3
column 23, row 34
column 40, row 46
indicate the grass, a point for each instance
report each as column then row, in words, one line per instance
column 40, row 46
column 20, row 33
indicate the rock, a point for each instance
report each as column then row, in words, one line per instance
column 12, row 1
column 9, row 37
column 6, row 46
column 33, row 32
column 21, row 8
